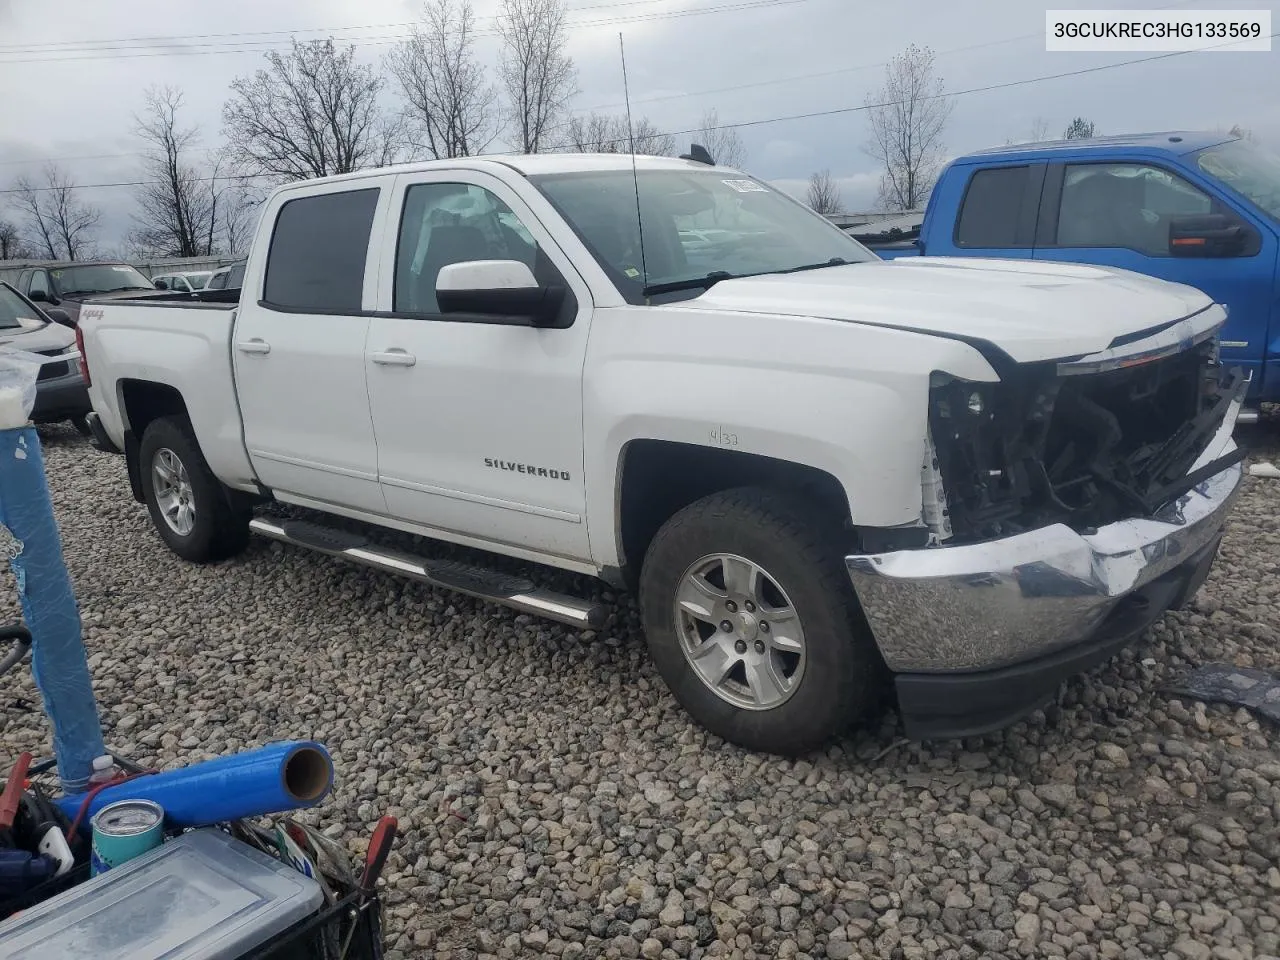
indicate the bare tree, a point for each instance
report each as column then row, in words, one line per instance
column 537, row 74
column 824, row 196
column 601, row 133
column 1244, row 133
column 238, row 213
column 452, row 111
column 1036, row 133
column 1080, row 129
column 62, row 225
column 12, row 246
column 908, row 114
column 722, row 142
column 313, row 112
column 177, row 209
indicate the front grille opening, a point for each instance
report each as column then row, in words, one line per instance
column 1085, row 450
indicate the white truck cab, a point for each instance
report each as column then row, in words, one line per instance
column 829, row 476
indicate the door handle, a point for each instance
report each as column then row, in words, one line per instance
column 256, row 345
column 395, row 357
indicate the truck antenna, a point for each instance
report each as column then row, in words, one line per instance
column 635, row 177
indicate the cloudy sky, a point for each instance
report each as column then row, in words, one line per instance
column 74, row 71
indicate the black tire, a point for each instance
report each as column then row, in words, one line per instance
column 843, row 675
column 221, row 524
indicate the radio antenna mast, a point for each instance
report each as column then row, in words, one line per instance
column 635, row 177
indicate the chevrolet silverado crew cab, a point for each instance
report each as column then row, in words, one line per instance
column 828, row 476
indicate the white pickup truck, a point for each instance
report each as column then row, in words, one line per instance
column 829, row 477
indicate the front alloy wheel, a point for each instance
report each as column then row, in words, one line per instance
column 752, row 622
column 740, row 632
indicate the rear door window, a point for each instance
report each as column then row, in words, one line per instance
column 316, row 260
column 992, row 209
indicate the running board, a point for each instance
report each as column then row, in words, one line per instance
column 515, row 592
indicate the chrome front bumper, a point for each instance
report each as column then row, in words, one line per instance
column 989, row 605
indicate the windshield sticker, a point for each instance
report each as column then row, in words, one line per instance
column 631, row 272
column 744, row 186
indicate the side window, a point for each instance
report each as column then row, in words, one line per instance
column 39, row 283
column 235, row 279
column 217, row 282
column 444, row 223
column 1124, row 205
column 317, row 255
column 992, row 208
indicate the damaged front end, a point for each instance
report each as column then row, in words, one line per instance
column 1088, row 441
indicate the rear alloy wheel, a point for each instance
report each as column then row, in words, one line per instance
column 752, row 621
column 173, row 492
column 199, row 518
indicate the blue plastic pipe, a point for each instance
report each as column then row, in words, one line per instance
column 272, row 779
column 49, row 608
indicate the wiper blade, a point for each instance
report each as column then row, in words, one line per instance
column 693, row 283
column 833, row 262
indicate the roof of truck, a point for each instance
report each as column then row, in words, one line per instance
column 1171, row 141
column 531, row 164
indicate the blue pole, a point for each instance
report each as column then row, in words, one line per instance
column 49, row 608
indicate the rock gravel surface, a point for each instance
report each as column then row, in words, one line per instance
column 558, row 803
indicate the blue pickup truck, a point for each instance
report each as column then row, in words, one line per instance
column 1197, row 208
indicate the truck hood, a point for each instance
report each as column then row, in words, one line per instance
column 1031, row 310
column 51, row 336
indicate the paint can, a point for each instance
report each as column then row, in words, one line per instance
column 124, row 830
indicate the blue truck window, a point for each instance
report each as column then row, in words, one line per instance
column 992, row 207
column 1124, row 205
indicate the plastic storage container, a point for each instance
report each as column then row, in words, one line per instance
column 202, row 896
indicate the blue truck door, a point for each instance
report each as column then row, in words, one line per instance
column 1116, row 213
column 997, row 208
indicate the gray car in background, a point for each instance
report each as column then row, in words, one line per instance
column 61, row 393
column 68, row 285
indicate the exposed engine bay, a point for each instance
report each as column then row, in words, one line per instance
column 1051, row 444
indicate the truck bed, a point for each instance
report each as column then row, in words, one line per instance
column 165, row 351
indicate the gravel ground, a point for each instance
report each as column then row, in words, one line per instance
column 558, row 802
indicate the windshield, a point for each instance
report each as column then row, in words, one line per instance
column 695, row 224
column 16, row 313
column 98, row 278
column 1250, row 171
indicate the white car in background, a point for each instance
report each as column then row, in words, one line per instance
column 187, row 282
column 227, row 278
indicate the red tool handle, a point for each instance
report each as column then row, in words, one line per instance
column 12, row 795
column 375, row 859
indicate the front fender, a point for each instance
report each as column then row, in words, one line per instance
column 844, row 399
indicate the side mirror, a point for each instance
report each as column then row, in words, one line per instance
column 1210, row 235
column 501, row 288
column 39, row 296
column 161, row 285
column 58, row 315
